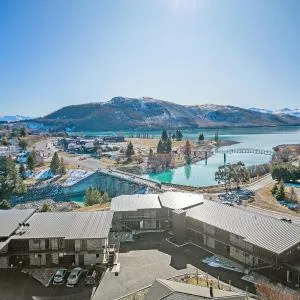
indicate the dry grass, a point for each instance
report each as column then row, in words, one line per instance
column 152, row 143
column 96, row 207
column 264, row 199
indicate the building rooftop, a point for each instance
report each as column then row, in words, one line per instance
column 180, row 200
column 10, row 219
column 263, row 231
column 68, row 225
column 135, row 202
column 172, row 290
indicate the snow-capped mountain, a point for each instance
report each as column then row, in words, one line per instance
column 261, row 110
column 14, row 118
column 292, row 112
column 286, row 111
column 121, row 113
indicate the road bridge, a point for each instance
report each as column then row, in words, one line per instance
column 244, row 150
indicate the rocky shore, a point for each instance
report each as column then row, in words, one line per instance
column 53, row 205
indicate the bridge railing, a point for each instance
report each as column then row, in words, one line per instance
column 245, row 150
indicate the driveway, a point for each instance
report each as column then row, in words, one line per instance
column 145, row 260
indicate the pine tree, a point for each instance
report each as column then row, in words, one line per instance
column 274, row 189
column 129, row 150
column 92, row 196
column 216, row 137
column 55, row 164
column 168, row 146
column 164, row 136
column 201, row 137
column 23, row 132
column 31, row 161
column 22, row 144
column 179, row 135
column 280, row 194
column 160, row 148
column 105, row 198
column 22, row 171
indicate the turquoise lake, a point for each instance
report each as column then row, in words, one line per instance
column 199, row 174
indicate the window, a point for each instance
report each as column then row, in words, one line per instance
column 157, row 224
column 97, row 255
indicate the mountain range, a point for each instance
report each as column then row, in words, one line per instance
column 286, row 111
column 122, row 113
column 14, row 118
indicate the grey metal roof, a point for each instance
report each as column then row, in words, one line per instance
column 68, row 225
column 258, row 229
column 135, row 202
column 173, row 290
column 180, row 200
column 10, row 219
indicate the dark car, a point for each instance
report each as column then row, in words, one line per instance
column 285, row 220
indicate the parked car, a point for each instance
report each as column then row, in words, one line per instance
column 74, row 276
column 60, row 276
column 285, row 220
column 227, row 203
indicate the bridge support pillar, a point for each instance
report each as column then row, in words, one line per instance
column 224, row 158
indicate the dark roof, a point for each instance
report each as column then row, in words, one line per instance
column 135, row 202
column 180, row 200
column 10, row 219
column 68, row 225
column 173, row 290
column 263, row 231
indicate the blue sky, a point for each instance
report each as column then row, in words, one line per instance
column 57, row 53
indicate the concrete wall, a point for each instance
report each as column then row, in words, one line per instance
column 3, row 262
column 37, row 259
column 243, row 257
column 179, row 226
column 91, row 259
column 139, row 219
column 55, row 259
column 36, row 244
column 111, row 184
column 54, row 244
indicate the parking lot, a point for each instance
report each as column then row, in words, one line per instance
column 15, row 285
column 153, row 257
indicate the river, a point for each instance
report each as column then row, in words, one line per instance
column 199, row 174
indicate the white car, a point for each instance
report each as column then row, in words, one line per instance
column 60, row 276
column 74, row 276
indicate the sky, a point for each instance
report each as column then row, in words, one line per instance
column 58, row 53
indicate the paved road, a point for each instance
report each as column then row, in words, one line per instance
column 255, row 186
